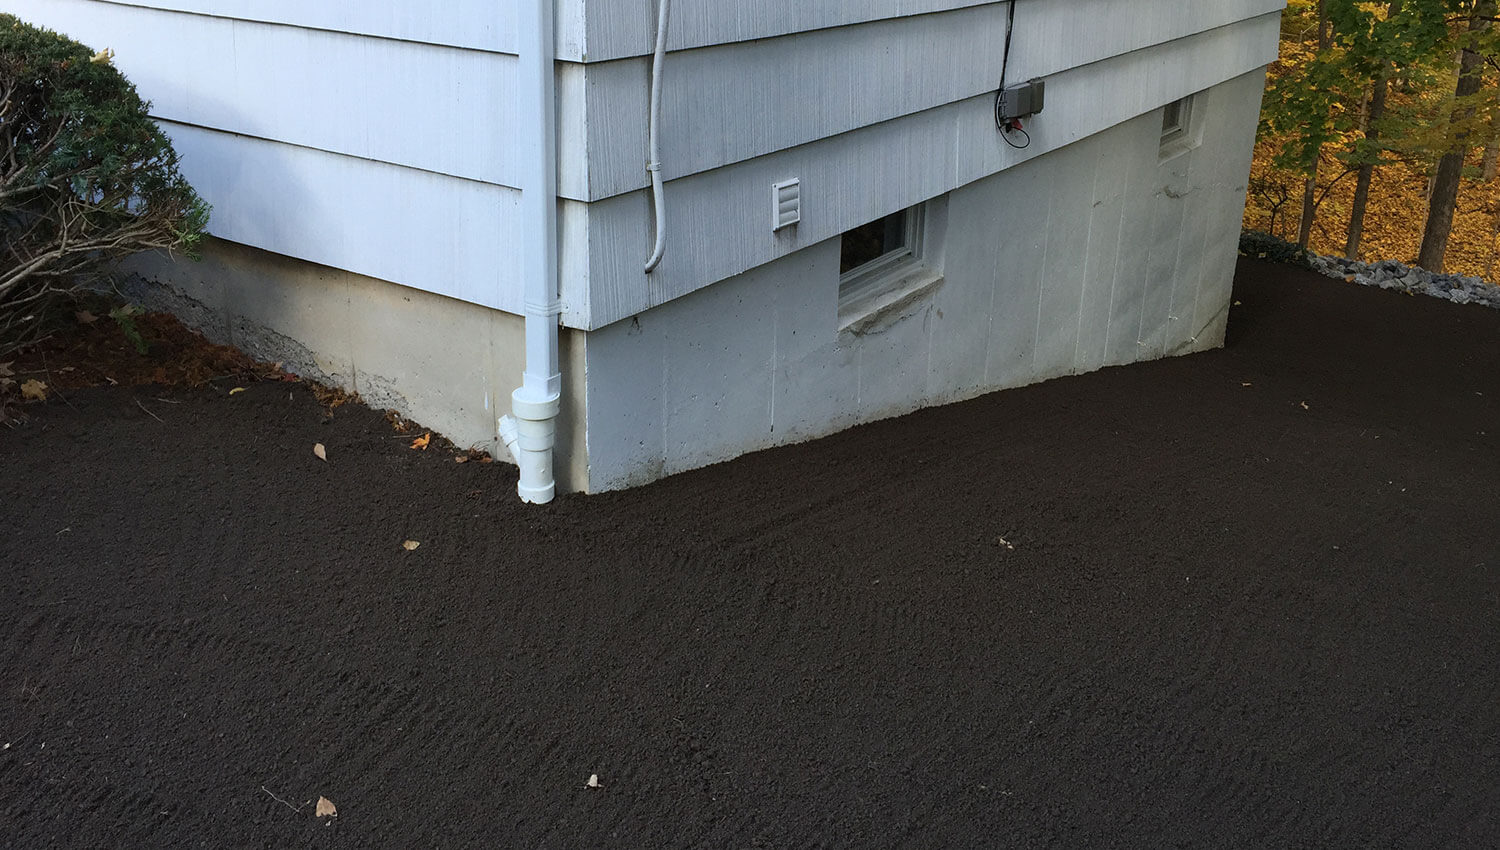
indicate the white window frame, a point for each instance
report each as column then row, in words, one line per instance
column 1183, row 134
column 869, row 290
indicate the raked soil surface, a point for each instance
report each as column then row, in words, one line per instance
column 1243, row 598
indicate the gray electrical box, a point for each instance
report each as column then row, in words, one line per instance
column 1022, row 99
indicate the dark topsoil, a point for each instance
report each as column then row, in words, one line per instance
column 1227, row 618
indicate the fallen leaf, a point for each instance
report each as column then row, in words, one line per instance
column 410, row 545
column 236, row 390
column 84, row 317
column 34, row 389
column 461, row 459
column 326, row 808
column 321, row 452
column 422, row 441
column 593, row 781
column 103, row 57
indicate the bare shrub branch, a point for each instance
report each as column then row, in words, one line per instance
column 86, row 177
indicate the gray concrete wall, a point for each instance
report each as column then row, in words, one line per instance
column 445, row 363
column 1101, row 252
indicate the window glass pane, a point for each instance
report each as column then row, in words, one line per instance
column 1171, row 117
column 872, row 241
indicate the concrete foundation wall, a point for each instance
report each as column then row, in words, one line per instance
column 1105, row 251
column 1102, row 252
column 445, row 363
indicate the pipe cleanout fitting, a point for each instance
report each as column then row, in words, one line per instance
column 530, row 433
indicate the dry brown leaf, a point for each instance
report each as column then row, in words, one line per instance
column 410, row 545
column 422, row 441
column 326, row 808
column 461, row 459
column 321, row 452
column 34, row 390
column 84, row 317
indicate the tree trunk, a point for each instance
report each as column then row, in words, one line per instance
column 1489, row 265
column 1492, row 151
column 1310, row 188
column 1366, row 174
column 1366, row 170
column 1309, row 209
column 1450, row 168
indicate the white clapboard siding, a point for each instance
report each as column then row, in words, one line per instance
column 719, row 221
column 442, row 234
column 619, row 28
column 435, row 108
column 733, row 102
column 476, row 24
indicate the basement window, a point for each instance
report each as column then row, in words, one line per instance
column 884, row 262
column 1178, row 124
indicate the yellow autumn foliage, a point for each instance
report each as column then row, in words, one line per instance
column 1397, row 207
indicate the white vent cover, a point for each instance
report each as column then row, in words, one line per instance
column 786, row 203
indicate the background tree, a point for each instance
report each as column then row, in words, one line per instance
column 1370, row 90
column 1310, row 184
column 1379, row 44
column 1304, row 106
column 1465, row 112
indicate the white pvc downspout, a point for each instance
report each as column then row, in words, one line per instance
column 530, row 431
column 653, row 158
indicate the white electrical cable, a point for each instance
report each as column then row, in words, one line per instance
column 653, row 163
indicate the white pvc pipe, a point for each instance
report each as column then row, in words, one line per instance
column 653, row 161
column 529, row 433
